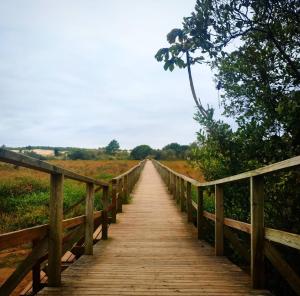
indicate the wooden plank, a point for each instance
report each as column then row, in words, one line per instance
column 283, row 267
column 219, row 221
column 182, row 195
column 194, row 205
column 126, row 189
column 36, row 271
column 209, row 216
column 257, row 231
column 288, row 163
column 105, row 214
column 200, row 220
column 189, row 202
column 24, row 267
column 153, row 251
column 120, row 196
column 19, row 237
column 114, row 201
column 39, row 165
column 72, row 222
column 282, row 237
column 89, row 221
column 242, row 226
column 55, row 229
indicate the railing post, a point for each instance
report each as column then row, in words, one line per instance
column 169, row 180
column 55, row 230
column 182, row 195
column 126, row 192
column 120, row 195
column 171, row 184
column 104, row 212
column 200, row 219
column 257, row 231
column 219, row 220
column 189, row 201
column 36, row 273
column 114, row 201
column 89, row 219
column 175, row 188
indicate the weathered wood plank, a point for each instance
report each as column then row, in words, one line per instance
column 89, row 221
column 282, row 237
column 219, row 220
column 153, row 251
column 257, row 231
column 283, row 267
column 55, row 229
column 39, row 165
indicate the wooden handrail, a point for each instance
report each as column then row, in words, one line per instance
column 122, row 186
column 42, row 166
column 259, row 234
column 285, row 164
column 49, row 239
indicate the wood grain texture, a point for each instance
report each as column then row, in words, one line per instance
column 55, row 229
column 152, row 250
column 257, row 231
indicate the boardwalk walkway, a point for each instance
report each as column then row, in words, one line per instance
column 153, row 251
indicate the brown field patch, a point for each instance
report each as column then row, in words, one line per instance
column 184, row 168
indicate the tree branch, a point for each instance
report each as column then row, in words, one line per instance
column 197, row 100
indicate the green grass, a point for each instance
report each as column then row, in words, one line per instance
column 24, row 202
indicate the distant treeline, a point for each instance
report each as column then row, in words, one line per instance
column 171, row 151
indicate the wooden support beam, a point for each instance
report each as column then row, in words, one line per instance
column 114, row 201
column 189, row 206
column 126, row 191
column 55, row 229
column 219, row 223
column 283, row 267
column 89, row 221
column 200, row 220
column 36, row 272
column 257, row 231
column 104, row 213
column 182, row 195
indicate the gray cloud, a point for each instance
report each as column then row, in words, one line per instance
column 79, row 73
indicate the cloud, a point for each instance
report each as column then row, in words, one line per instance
column 80, row 73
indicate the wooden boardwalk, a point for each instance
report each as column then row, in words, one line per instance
column 152, row 250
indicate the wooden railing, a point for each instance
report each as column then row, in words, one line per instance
column 51, row 241
column 262, row 237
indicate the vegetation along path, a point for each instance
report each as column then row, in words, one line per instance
column 152, row 250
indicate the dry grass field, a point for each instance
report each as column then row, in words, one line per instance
column 183, row 167
column 24, row 193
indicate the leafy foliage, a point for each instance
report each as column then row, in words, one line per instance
column 112, row 147
column 253, row 49
column 141, row 152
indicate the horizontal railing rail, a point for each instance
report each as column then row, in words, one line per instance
column 49, row 242
column 261, row 237
column 122, row 185
column 42, row 166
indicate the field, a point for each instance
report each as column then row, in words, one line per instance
column 184, row 168
column 24, row 193
column 24, row 198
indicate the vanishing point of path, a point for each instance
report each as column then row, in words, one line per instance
column 152, row 250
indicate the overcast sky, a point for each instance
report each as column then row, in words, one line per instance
column 82, row 72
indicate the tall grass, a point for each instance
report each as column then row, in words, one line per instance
column 24, row 193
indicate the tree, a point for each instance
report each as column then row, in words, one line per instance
column 174, row 151
column 141, row 152
column 259, row 78
column 112, row 147
column 56, row 151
